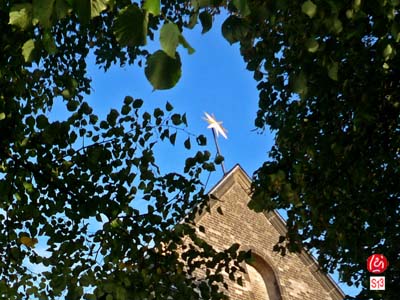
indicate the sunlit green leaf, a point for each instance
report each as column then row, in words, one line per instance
column 21, row 15
column 28, row 49
column 28, row 186
column 337, row 26
column 309, row 8
column 185, row 44
column 97, row 7
column 387, row 52
column 333, row 69
column 152, row 6
column 312, row 45
column 169, row 38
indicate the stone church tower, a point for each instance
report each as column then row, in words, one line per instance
column 271, row 276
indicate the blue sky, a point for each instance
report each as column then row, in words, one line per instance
column 214, row 80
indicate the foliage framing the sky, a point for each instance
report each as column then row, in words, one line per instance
column 328, row 74
column 72, row 184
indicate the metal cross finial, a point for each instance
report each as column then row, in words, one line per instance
column 217, row 129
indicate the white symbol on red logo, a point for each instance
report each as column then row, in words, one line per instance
column 377, row 263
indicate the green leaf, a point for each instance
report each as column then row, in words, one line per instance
column 83, row 10
column 66, row 93
column 116, row 223
column 28, row 49
column 299, row 84
column 42, row 121
column 42, row 12
column 128, row 100
column 309, row 8
column 206, row 21
column 218, row 159
column 168, row 106
column 169, row 38
column 185, row 44
column 187, row 144
column 112, row 117
column 137, row 103
column 256, row 204
column 172, row 138
column 193, row 20
column 21, row 15
column 333, row 71
column 97, row 7
column 162, row 71
column 72, row 105
column 387, row 52
column 49, row 43
column 213, row 197
column 16, row 195
column 2, row 116
column 184, row 121
column 28, row 242
column 202, row 229
column 312, row 45
column 130, row 27
column 201, row 140
column 152, row 6
column 200, row 4
column 234, row 29
column 176, row 119
column 337, row 26
column 242, row 7
column 28, row 186
column 125, row 110
column 240, row 281
column 61, row 9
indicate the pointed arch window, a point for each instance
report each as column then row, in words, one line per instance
column 263, row 282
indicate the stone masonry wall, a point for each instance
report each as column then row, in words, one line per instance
column 296, row 275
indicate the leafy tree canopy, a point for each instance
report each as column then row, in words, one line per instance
column 328, row 74
column 71, row 184
column 329, row 88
